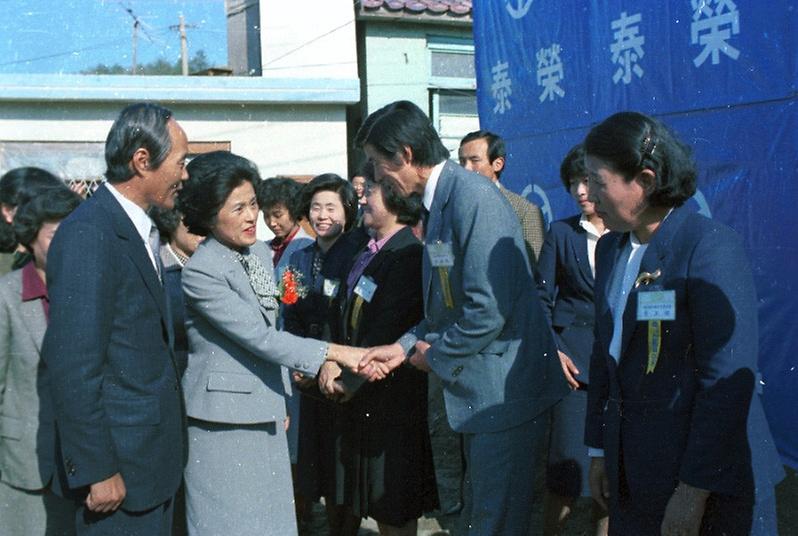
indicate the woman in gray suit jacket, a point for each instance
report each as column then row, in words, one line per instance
column 238, row 478
column 27, row 437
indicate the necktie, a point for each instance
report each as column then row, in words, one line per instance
column 259, row 279
column 424, row 220
column 362, row 261
column 155, row 248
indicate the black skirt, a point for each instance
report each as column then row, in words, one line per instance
column 384, row 467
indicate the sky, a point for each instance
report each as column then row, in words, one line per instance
column 68, row 36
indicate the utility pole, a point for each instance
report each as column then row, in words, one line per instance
column 183, row 42
column 183, row 45
column 135, row 45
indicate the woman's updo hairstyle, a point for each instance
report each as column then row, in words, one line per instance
column 630, row 142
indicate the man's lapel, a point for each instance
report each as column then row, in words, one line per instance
column 133, row 246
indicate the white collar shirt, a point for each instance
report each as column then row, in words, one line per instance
column 432, row 183
column 138, row 217
column 593, row 236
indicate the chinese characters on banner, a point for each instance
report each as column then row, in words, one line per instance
column 713, row 26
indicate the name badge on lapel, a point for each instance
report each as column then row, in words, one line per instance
column 656, row 305
column 440, row 254
column 331, row 287
column 365, row 288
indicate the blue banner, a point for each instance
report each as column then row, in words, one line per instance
column 722, row 74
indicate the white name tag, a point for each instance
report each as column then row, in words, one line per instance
column 331, row 287
column 365, row 288
column 656, row 305
column 440, row 254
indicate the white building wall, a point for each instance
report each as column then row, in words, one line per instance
column 281, row 140
column 319, row 42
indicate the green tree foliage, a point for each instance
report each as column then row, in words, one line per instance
column 160, row 67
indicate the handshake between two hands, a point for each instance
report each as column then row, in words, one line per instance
column 371, row 364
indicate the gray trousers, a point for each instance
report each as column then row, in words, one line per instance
column 35, row 512
column 500, row 479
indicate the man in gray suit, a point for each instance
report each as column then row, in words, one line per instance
column 484, row 334
column 483, row 151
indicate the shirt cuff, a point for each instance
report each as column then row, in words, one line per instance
column 595, row 453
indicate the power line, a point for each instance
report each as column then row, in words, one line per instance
column 59, row 54
column 303, row 45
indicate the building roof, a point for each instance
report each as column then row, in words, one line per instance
column 178, row 89
column 443, row 11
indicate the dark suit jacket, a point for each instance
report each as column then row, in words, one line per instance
column 309, row 317
column 565, row 285
column 687, row 420
column 108, row 351
column 395, row 307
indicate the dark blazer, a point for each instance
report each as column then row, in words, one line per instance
column 309, row 317
column 688, row 419
column 491, row 348
column 565, row 284
column 115, row 387
column 395, row 308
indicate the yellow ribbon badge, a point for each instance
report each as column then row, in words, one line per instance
column 356, row 309
column 443, row 274
column 654, row 344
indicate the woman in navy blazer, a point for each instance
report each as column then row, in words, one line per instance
column 671, row 398
column 565, row 273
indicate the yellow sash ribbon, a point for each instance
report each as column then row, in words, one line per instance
column 448, row 299
column 354, row 320
column 654, row 344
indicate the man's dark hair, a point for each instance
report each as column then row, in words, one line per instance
column 17, row 187
column 398, row 125
column 211, row 179
column 51, row 205
column 630, row 142
column 166, row 220
column 573, row 165
column 407, row 209
column 280, row 191
column 139, row 126
column 496, row 146
column 330, row 182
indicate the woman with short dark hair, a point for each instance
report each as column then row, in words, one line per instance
column 27, row 425
column 565, row 276
column 384, row 457
column 238, row 478
column 279, row 200
column 16, row 187
column 677, row 432
column 330, row 206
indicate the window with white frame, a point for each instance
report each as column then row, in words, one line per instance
column 452, row 82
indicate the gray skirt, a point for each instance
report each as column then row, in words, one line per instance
column 238, row 480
